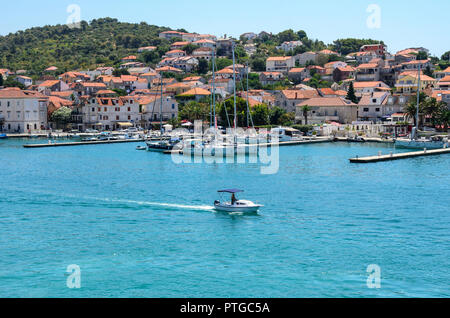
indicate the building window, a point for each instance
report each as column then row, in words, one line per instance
column 366, row 110
column 377, row 109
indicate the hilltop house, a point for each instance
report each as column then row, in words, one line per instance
column 298, row 74
column 289, row 45
column 304, row 58
column 270, row 78
column 280, row 64
column 24, row 80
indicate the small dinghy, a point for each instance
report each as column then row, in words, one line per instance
column 236, row 205
column 141, row 148
column 3, row 136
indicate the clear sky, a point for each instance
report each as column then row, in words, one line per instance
column 403, row 23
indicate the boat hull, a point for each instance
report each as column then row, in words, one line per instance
column 418, row 144
column 239, row 209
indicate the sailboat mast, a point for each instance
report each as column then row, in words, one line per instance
column 234, row 86
column 214, row 85
column 161, row 108
column 248, row 106
column 418, row 101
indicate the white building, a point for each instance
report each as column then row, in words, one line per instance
column 22, row 111
column 107, row 112
column 289, row 45
column 151, row 108
column 280, row 64
column 306, row 57
column 25, row 80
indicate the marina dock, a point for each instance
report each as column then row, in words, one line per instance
column 81, row 143
column 284, row 143
column 398, row 156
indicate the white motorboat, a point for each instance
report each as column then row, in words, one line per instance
column 163, row 145
column 235, row 205
column 286, row 134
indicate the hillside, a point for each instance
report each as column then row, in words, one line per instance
column 102, row 41
column 105, row 41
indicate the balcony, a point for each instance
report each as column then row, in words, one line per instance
column 366, row 77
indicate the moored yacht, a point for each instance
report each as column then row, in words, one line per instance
column 286, row 134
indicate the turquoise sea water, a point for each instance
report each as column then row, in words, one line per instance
column 139, row 225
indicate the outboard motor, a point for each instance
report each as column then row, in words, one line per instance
column 217, row 202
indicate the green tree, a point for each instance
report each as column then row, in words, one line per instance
column 351, row 45
column 1, row 80
column 305, row 110
column 260, row 115
column 301, row 34
column 190, row 48
column 203, row 66
column 422, row 55
column 287, row 119
column 351, row 93
column 62, row 116
column 275, row 115
column 221, row 63
column 120, row 92
column 11, row 82
column 193, row 111
column 120, row 71
column 428, row 71
column 227, row 108
column 258, row 64
column 446, row 56
column 287, row 35
column 410, row 109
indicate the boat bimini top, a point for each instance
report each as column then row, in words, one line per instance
column 231, row 191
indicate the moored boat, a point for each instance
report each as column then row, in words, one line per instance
column 433, row 143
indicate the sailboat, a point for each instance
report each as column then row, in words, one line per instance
column 162, row 145
column 414, row 142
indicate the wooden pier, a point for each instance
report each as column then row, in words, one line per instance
column 398, row 156
column 81, row 143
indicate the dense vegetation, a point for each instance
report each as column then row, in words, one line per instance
column 105, row 41
column 102, row 41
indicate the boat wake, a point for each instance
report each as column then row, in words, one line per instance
column 163, row 205
column 77, row 198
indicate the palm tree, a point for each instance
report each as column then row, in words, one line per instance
column 411, row 110
column 306, row 109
